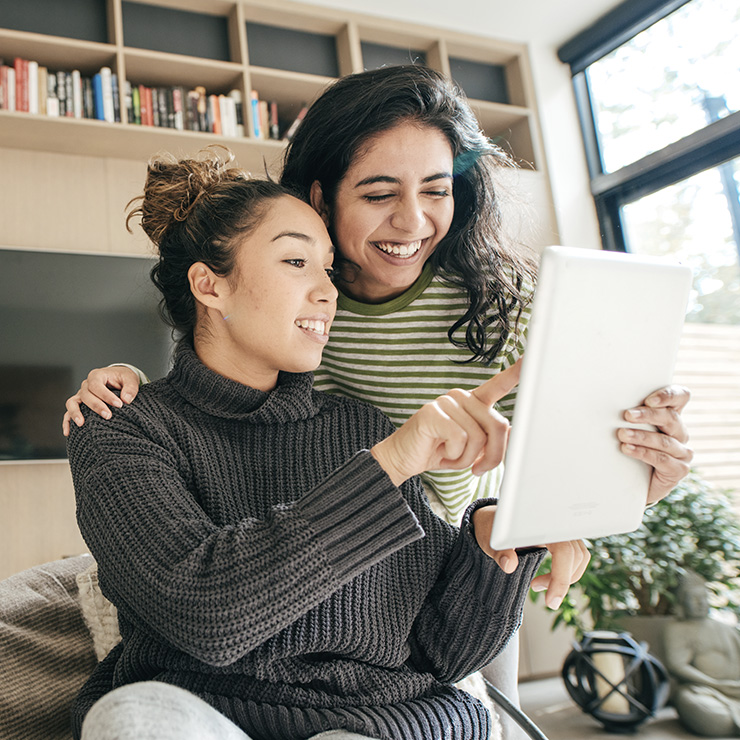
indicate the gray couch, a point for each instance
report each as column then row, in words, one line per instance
column 46, row 650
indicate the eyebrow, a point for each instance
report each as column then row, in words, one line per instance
column 293, row 235
column 394, row 180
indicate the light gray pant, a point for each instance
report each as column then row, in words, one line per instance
column 157, row 711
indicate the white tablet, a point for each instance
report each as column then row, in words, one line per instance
column 603, row 335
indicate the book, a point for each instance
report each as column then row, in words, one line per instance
column 21, row 84
column 62, row 93
column 214, row 114
column 255, row 111
column 97, row 96
column 106, row 84
column 236, row 96
column 116, row 98
column 43, row 89
column 33, row 86
column 274, row 123
column 52, row 102
column 76, row 94
column 290, row 132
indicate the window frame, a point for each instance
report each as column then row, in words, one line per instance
column 708, row 147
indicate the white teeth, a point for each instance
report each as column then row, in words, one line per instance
column 403, row 250
column 314, row 325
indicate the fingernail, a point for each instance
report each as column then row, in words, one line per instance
column 78, row 421
column 629, row 433
column 635, row 413
column 631, row 448
column 106, row 414
column 555, row 602
column 538, row 587
column 127, row 398
column 504, row 563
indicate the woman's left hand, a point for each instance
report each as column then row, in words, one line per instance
column 666, row 449
column 569, row 559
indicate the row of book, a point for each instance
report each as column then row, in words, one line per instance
column 29, row 87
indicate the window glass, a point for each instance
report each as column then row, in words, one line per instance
column 696, row 222
column 668, row 81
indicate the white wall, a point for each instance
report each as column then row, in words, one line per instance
column 543, row 25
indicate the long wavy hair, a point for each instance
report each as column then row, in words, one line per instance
column 475, row 254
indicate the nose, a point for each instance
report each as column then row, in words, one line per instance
column 408, row 215
column 324, row 290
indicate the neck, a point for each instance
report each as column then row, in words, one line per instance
column 218, row 353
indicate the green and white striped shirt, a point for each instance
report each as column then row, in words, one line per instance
column 397, row 356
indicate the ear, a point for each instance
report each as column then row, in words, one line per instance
column 318, row 203
column 209, row 289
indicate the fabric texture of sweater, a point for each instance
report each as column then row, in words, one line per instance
column 397, row 356
column 261, row 558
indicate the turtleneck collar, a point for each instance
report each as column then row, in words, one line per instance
column 292, row 399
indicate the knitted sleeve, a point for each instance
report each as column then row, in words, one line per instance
column 217, row 592
column 473, row 609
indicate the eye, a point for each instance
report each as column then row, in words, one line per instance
column 331, row 272
column 377, row 198
column 438, row 193
column 297, row 262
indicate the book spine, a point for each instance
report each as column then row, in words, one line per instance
column 149, row 94
column 214, row 113
column 33, row 86
column 88, row 102
column 98, row 96
column 135, row 105
column 62, row 93
column 107, row 87
column 4, row 88
column 43, row 89
column 236, row 96
column 116, row 98
column 76, row 93
column 52, row 101
column 274, row 123
column 21, row 84
column 178, row 103
column 255, row 110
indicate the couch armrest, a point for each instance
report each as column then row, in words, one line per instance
column 46, row 652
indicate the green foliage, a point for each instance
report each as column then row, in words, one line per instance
column 694, row 527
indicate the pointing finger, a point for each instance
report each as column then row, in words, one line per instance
column 499, row 385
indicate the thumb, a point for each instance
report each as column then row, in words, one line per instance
column 499, row 385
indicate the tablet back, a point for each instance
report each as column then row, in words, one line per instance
column 603, row 335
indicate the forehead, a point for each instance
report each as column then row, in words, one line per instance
column 407, row 146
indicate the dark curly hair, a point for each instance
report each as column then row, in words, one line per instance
column 474, row 254
column 194, row 210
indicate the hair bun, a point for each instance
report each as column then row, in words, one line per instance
column 175, row 188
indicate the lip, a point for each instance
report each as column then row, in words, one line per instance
column 312, row 334
column 398, row 259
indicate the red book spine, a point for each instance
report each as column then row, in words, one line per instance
column 21, row 84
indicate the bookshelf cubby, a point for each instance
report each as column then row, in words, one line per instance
column 288, row 52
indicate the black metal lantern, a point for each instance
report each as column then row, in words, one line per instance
column 615, row 679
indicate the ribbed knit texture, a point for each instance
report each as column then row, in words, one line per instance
column 261, row 558
column 397, row 356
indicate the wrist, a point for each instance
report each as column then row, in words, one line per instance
column 382, row 452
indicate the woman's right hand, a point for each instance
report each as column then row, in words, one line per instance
column 96, row 394
column 456, row 431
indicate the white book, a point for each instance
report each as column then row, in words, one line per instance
column 33, row 86
column 76, row 93
column 10, row 102
column 109, row 114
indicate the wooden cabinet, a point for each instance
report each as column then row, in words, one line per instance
column 287, row 52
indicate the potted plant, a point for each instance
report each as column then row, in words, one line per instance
column 694, row 527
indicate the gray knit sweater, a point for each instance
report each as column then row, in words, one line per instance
column 261, row 558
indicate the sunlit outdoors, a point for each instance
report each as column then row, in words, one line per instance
column 691, row 222
column 668, row 81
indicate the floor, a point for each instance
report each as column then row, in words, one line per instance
column 547, row 703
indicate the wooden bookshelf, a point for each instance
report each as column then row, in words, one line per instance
column 296, row 51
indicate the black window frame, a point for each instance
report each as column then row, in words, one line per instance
column 716, row 143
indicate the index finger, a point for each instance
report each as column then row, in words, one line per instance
column 499, row 385
column 672, row 396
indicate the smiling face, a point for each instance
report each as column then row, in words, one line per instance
column 273, row 312
column 392, row 208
